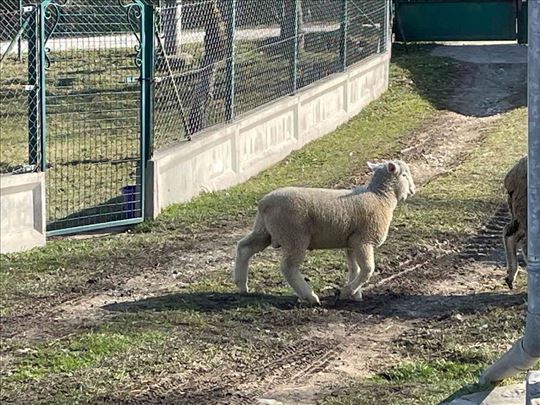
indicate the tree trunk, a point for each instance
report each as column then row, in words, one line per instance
column 169, row 19
column 214, row 51
column 287, row 23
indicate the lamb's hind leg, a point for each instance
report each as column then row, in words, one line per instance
column 366, row 260
column 510, row 248
column 253, row 243
column 290, row 268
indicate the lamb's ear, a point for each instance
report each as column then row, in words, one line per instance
column 372, row 166
column 392, row 167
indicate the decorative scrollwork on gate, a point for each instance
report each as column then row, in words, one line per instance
column 52, row 15
column 134, row 19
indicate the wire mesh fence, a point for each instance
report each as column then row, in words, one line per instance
column 19, row 115
column 210, row 61
column 217, row 59
column 93, row 96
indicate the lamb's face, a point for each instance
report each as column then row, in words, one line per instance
column 405, row 184
column 396, row 173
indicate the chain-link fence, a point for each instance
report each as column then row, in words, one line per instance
column 216, row 59
column 81, row 80
column 19, row 76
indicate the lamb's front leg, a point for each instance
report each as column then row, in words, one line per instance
column 353, row 272
column 365, row 258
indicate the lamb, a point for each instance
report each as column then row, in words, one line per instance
column 298, row 219
column 515, row 232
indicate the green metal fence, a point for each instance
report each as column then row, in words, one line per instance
column 20, row 150
column 91, row 88
column 94, row 64
column 218, row 59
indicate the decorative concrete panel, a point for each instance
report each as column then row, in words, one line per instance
column 266, row 136
column 322, row 108
column 230, row 154
column 22, row 212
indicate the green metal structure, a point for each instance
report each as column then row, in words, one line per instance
column 96, row 97
column 96, row 86
column 458, row 20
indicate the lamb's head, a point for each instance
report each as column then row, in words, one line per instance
column 393, row 176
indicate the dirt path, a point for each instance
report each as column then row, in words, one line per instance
column 341, row 349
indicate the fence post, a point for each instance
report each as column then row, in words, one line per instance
column 34, row 89
column 147, row 99
column 294, row 51
column 41, row 62
column 344, row 30
column 21, row 22
column 147, row 76
column 230, row 62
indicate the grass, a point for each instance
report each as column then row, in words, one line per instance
column 378, row 132
column 182, row 340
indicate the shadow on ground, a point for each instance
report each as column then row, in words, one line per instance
column 382, row 304
column 485, row 80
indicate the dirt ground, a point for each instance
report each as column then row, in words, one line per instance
column 429, row 285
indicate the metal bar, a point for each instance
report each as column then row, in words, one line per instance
column 17, row 39
column 533, row 189
column 526, row 351
column 294, row 50
column 93, row 227
column 42, row 87
column 33, row 92
column 230, row 68
column 147, row 75
column 344, row 29
column 19, row 45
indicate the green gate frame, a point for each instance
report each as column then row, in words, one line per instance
column 455, row 20
column 146, row 55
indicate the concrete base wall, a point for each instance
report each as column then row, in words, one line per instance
column 22, row 212
column 230, row 154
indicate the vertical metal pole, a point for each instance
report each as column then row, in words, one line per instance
column 230, row 67
column 33, row 88
column 294, row 50
column 533, row 189
column 147, row 79
column 42, row 106
column 21, row 21
column 386, row 25
column 344, row 30
column 526, row 351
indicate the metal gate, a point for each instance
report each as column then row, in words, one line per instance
column 459, row 20
column 95, row 69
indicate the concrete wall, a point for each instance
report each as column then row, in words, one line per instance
column 22, row 212
column 230, row 154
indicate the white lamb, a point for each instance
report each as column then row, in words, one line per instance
column 300, row 219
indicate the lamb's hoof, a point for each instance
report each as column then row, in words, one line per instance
column 509, row 282
column 346, row 294
column 242, row 288
column 357, row 296
column 311, row 300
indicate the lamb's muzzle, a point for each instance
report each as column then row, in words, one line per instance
column 300, row 219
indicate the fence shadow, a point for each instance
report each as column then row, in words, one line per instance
column 107, row 211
